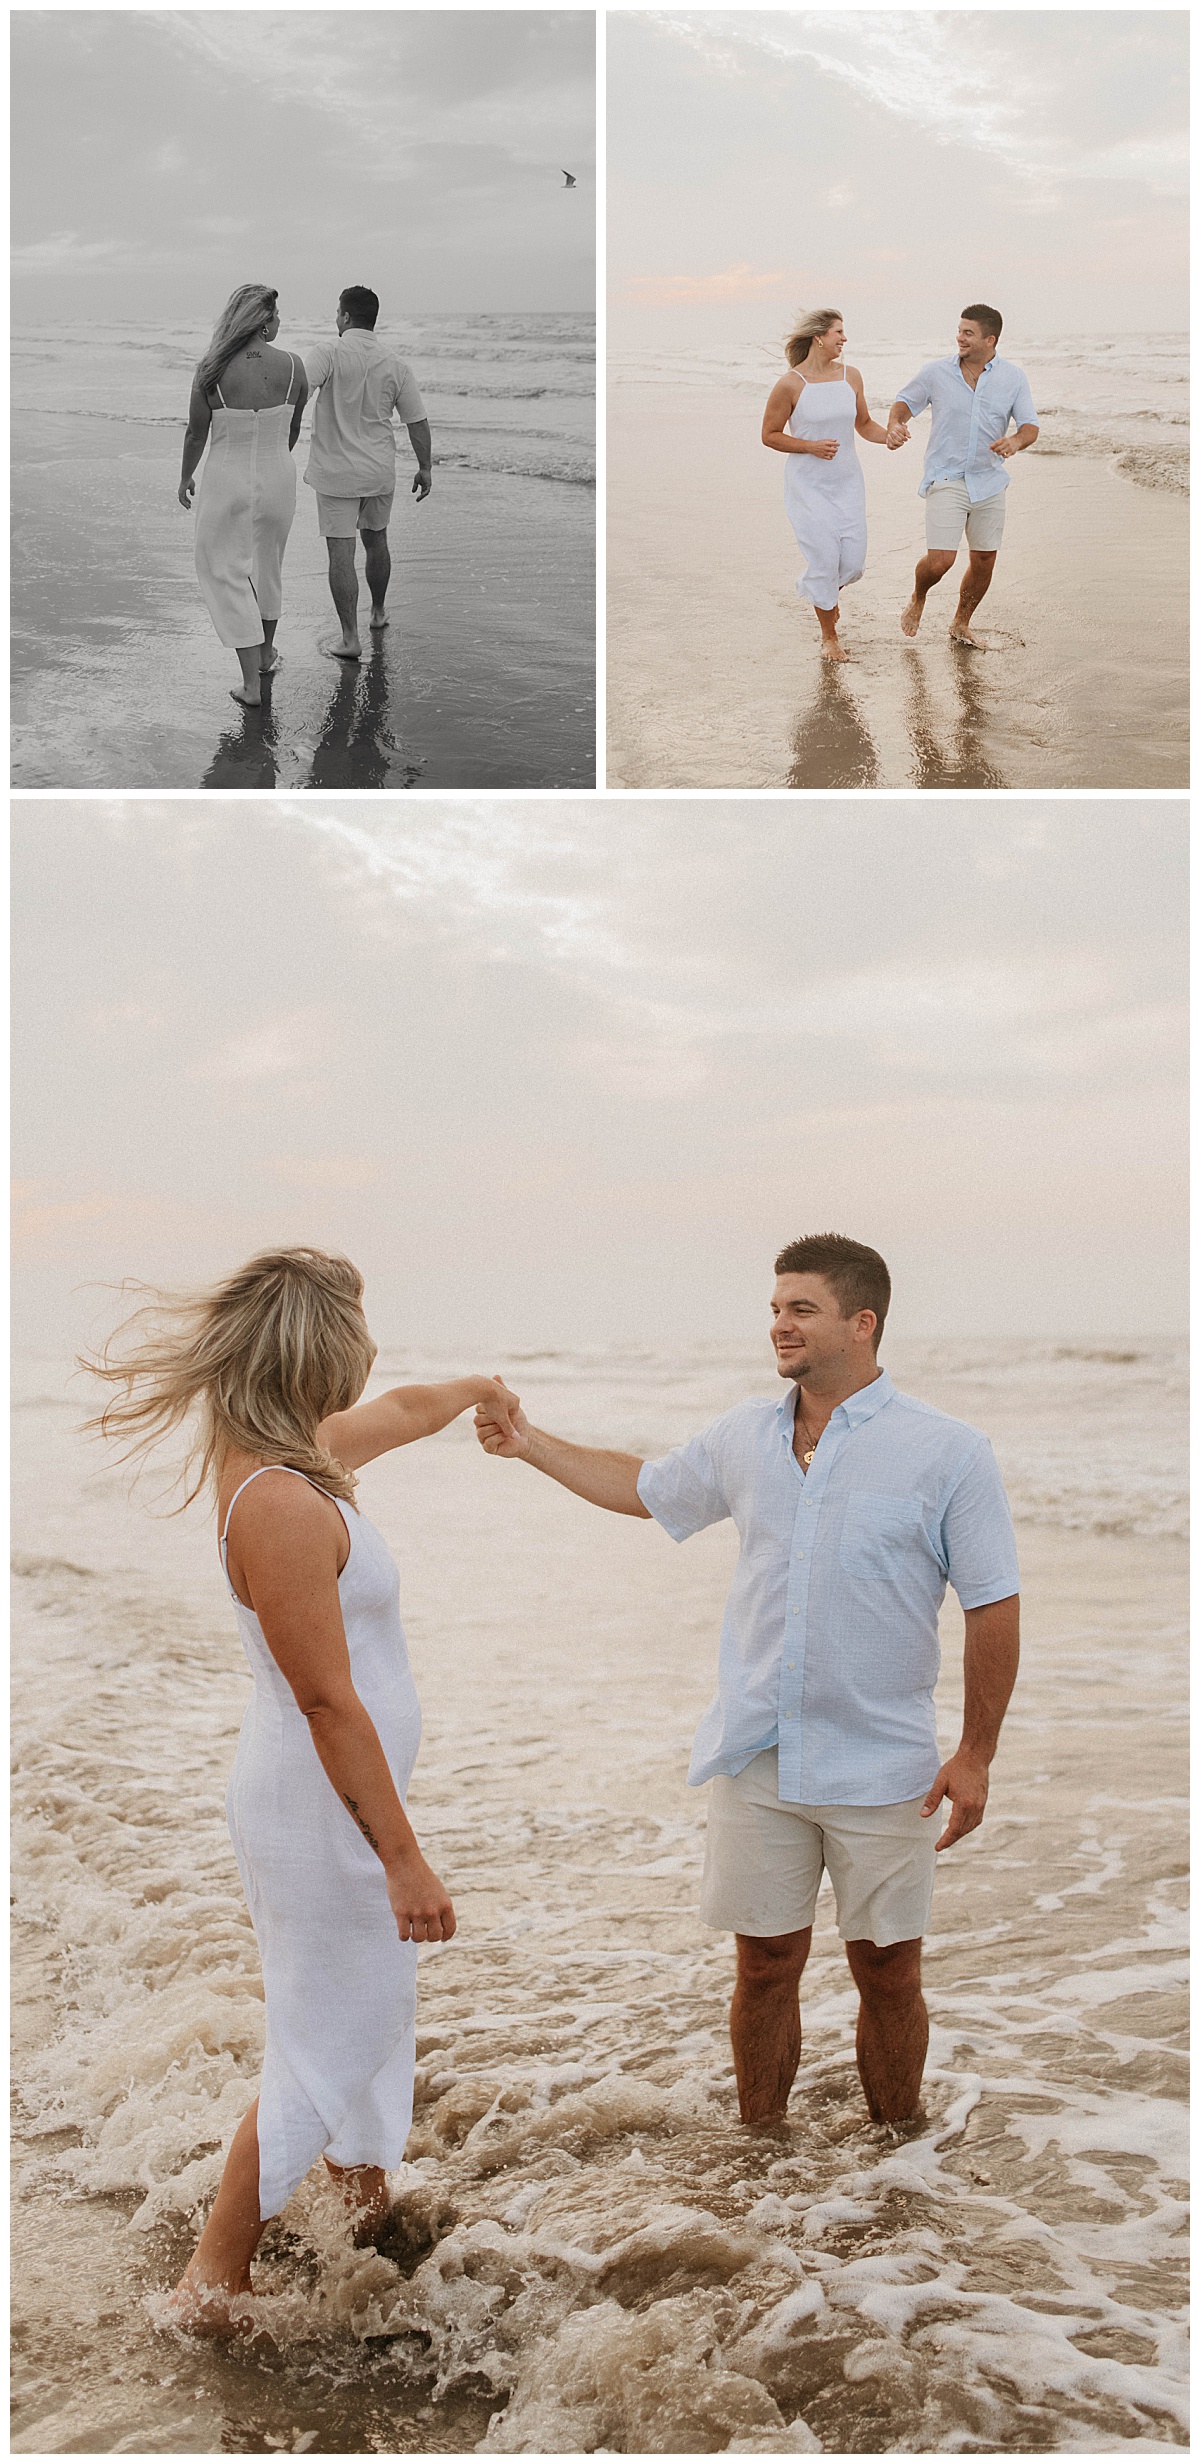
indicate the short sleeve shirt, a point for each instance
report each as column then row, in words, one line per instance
column 359, row 382
column 829, row 1643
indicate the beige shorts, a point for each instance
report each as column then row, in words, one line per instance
column 948, row 507
column 763, row 1861
column 338, row 517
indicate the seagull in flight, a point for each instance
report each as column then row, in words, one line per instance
column 569, row 177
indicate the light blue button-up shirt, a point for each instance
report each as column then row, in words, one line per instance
column 968, row 421
column 829, row 1643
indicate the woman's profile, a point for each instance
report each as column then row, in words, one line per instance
column 268, row 1368
column 813, row 415
column 247, row 397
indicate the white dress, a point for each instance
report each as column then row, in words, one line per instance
column 244, row 511
column 826, row 501
column 339, row 1984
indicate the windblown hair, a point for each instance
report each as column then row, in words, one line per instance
column 989, row 320
column 856, row 1276
column 804, row 332
column 244, row 314
column 256, row 1362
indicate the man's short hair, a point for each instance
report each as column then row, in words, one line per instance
column 989, row 320
column 361, row 305
column 856, row 1276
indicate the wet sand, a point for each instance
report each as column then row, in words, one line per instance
column 591, row 2254
column 714, row 675
column 484, row 678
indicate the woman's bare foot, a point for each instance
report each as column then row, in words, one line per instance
column 238, row 693
column 379, row 618
column 912, row 617
column 200, row 2309
column 960, row 631
column 833, row 649
column 269, row 665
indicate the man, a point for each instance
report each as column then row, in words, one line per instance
column 352, row 464
column 854, row 1505
column 973, row 395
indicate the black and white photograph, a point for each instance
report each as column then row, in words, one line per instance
column 304, row 399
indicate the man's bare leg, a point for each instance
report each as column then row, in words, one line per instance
column 764, row 2021
column 379, row 573
column 980, row 566
column 893, row 2027
column 831, row 648
column 930, row 570
column 343, row 584
column 249, row 691
column 270, row 656
column 219, row 2268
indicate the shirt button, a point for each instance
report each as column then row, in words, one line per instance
column 791, row 1663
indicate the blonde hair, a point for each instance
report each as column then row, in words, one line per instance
column 260, row 1360
column 805, row 330
column 244, row 314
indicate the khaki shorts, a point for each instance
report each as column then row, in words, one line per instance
column 763, row 1861
column 948, row 506
column 338, row 517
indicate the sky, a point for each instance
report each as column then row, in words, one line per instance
column 558, row 1073
column 161, row 157
column 898, row 164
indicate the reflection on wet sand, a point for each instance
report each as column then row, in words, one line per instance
column 344, row 740
column 949, row 747
column 831, row 746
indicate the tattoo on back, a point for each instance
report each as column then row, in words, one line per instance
column 363, row 1824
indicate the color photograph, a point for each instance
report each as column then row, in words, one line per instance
column 897, row 407
column 303, row 399
column 614, row 1881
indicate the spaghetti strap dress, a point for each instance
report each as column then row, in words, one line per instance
column 339, row 1985
column 827, row 501
column 244, row 511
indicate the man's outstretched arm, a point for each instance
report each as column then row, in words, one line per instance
column 597, row 1473
column 990, row 1657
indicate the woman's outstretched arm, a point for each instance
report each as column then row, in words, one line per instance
column 285, row 1557
column 298, row 408
column 195, row 440
column 408, row 1412
column 866, row 427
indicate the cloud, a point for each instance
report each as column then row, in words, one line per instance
column 734, row 282
column 275, row 1049
column 66, row 249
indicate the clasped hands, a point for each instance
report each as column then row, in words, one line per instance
column 500, row 1423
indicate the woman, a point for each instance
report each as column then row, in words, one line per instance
column 250, row 397
column 813, row 417
column 272, row 1362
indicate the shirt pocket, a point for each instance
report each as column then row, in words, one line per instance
column 877, row 1533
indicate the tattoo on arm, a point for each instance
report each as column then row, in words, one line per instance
column 363, row 1824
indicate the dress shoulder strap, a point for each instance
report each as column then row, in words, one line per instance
column 224, row 405
column 291, row 377
column 264, row 1467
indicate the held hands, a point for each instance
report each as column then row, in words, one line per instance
column 500, row 1423
column 964, row 1779
column 187, row 489
column 422, row 485
column 419, row 1902
column 897, row 434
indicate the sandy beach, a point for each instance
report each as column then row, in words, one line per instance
column 485, row 677
column 714, row 677
column 590, row 2253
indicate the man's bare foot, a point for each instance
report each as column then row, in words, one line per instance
column 335, row 649
column 379, row 618
column 833, row 650
column 912, row 617
column 962, row 633
column 253, row 701
column 200, row 2309
column 269, row 665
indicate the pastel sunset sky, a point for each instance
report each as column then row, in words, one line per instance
column 897, row 164
column 558, row 1073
